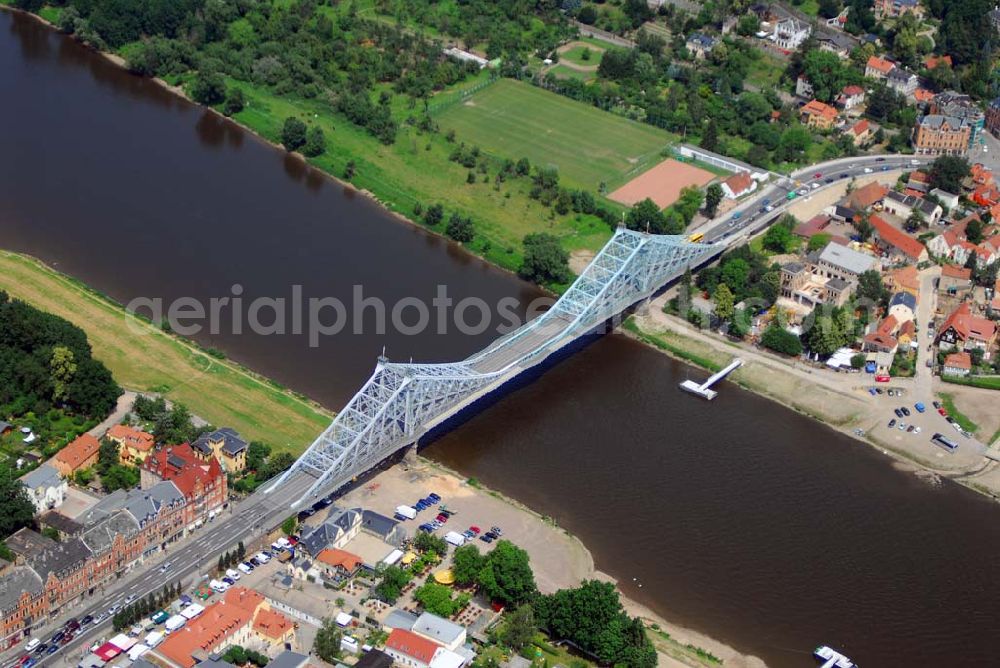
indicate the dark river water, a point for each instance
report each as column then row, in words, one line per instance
column 739, row 518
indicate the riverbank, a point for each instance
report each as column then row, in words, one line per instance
column 558, row 558
column 836, row 400
column 144, row 358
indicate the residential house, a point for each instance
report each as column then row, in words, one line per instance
column 373, row 658
column 700, row 45
column 225, row 445
column 878, row 68
column 903, row 206
column 918, row 183
column 881, row 340
column 903, row 307
column 904, row 279
column 64, row 526
column 45, row 487
column 941, row 135
column 992, row 117
column 134, row 445
column 738, row 185
column 895, row 8
column 861, row 132
column 339, row 528
column 818, row 115
column 955, row 279
column 902, row 81
column 803, row 88
column 907, row 333
column 923, row 96
column 835, row 42
column 273, row 629
column 829, row 277
column 442, row 631
column 897, row 245
column 790, row 32
column 851, row 97
column 408, row 649
column 963, row 107
column 203, row 485
column 948, row 201
column 957, row 364
column 865, row 197
column 964, row 331
column 81, row 453
column 385, row 528
column 337, row 565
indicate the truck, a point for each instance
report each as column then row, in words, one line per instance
column 175, row 623
column 456, row 539
column 407, row 512
column 153, row 639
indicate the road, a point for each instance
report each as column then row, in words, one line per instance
column 188, row 561
column 754, row 214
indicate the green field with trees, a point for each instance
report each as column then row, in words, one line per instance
column 588, row 146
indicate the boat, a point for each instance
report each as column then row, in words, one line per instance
column 831, row 658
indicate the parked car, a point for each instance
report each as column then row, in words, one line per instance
column 936, row 404
column 230, row 573
column 442, row 518
column 474, row 529
column 906, row 411
column 87, row 619
column 892, row 423
column 920, row 407
column 943, row 412
column 426, row 528
column 902, row 426
column 57, row 636
column 486, row 538
column 910, row 428
column 468, row 534
column 496, row 531
column 916, row 430
column 435, row 524
column 244, row 567
column 435, row 497
column 229, row 581
column 898, row 412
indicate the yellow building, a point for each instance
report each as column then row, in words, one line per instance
column 133, row 445
column 226, row 446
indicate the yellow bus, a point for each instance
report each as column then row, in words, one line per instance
column 695, row 238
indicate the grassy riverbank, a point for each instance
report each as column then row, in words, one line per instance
column 141, row 357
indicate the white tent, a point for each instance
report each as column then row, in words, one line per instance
column 343, row 619
column 123, row 642
column 192, row 611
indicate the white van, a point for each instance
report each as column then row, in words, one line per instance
column 230, row 573
column 218, row 586
column 262, row 558
column 32, row 644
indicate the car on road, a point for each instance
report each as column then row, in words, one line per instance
column 24, row 659
column 41, row 648
column 29, row 663
column 892, row 423
column 165, row 567
column 885, row 168
column 879, row 159
column 868, row 170
column 113, row 609
column 57, row 636
column 843, row 175
column 827, row 180
column 33, row 644
column 129, row 598
column 52, row 649
column 818, row 175
column 87, row 619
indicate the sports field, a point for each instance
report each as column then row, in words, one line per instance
column 662, row 184
column 511, row 119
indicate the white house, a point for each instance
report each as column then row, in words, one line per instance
column 948, row 201
column 738, row 185
column 790, row 33
column 46, row 489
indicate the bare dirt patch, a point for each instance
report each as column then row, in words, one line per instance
column 662, row 184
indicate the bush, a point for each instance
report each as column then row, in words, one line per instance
column 781, row 340
column 293, row 134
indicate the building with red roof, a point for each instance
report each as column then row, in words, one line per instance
column 134, row 445
column 409, row 649
column 930, row 62
column 897, row 244
column 81, row 453
column 818, row 114
column 964, row 331
column 957, row 364
column 861, row 132
column 203, row 484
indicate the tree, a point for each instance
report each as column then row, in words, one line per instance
column 16, row 509
column 349, row 170
column 710, row 136
column 315, row 142
column 858, row 360
column 829, row 8
column 518, row 627
column 288, row 526
column 293, row 134
column 63, row 367
column 391, row 583
column 724, row 302
column 235, row 102
column 777, row 238
column 466, row 563
column 209, row 88
column 871, row 287
column 947, row 173
column 545, row 260
column 645, row 215
column 818, row 241
column 780, row 340
column 460, row 228
column 713, row 196
column 326, row 645
column 433, row 215
column 119, row 476
column 436, row 599
column 427, row 542
column 974, row 231
column 506, row 575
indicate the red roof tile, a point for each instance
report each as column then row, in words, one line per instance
column 78, row 451
column 897, row 238
column 412, row 645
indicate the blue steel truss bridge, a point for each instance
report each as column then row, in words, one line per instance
column 402, row 402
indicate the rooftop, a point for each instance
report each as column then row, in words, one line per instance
column 232, row 443
column 44, row 476
column 438, row 628
column 410, row 644
column 79, row 451
column 846, row 258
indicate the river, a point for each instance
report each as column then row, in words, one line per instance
column 738, row 517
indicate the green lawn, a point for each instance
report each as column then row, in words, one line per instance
column 514, row 119
column 765, row 71
column 575, row 55
column 564, row 72
column 948, row 401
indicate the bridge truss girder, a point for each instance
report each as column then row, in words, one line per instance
column 401, row 401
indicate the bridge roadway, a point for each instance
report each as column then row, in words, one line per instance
column 250, row 518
